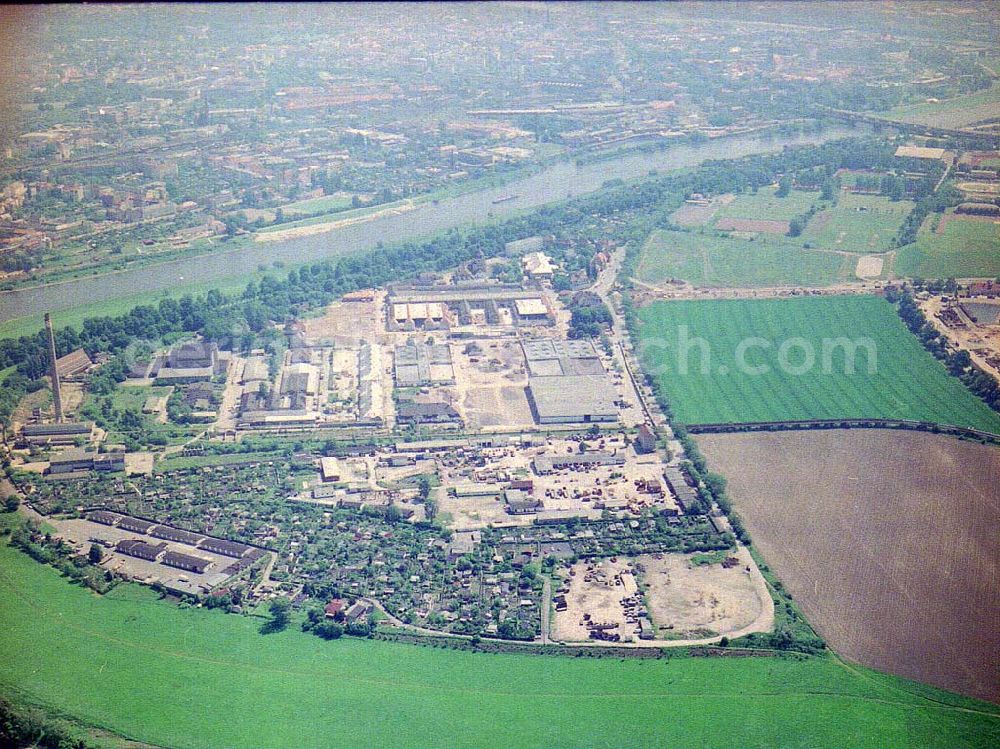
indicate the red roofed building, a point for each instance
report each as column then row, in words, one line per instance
column 984, row 288
column 335, row 608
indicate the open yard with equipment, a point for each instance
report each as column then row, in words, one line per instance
column 953, row 246
column 763, row 360
column 886, row 539
column 187, row 678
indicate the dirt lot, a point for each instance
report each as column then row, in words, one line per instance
column 887, row 539
column 698, row 601
column 767, row 226
column 869, row 266
column 981, row 340
column 490, row 380
column 346, row 320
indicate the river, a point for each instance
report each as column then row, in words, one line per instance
column 556, row 182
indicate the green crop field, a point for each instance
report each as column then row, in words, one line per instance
column 764, row 205
column 710, row 259
column 966, row 248
column 904, row 382
column 184, row 677
column 858, row 223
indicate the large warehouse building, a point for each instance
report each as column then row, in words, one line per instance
column 572, row 399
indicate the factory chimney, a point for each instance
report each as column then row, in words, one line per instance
column 56, row 395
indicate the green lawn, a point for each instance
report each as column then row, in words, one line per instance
column 907, row 382
column 710, row 259
column 858, row 223
column 195, row 678
column 764, row 205
column 964, row 249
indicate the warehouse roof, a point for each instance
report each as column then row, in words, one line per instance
column 573, row 396
column 529, row 307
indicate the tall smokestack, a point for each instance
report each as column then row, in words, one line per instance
column 56, row 395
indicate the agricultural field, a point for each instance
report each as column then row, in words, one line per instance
column 886, row 539
column 901, row 380
column 951, row 113
column 953, row 246
column 191, row 678
column 709, row 259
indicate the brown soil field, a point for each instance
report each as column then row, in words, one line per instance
column 888, row 540
column 767, row 226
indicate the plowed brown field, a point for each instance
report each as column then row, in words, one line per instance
column 888, row 540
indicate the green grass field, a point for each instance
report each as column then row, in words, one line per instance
column 907, row 382
column 763, row 204
column 858, row 223
column 328, row 203
column 826, row 253
column 952, row 113
column 709, row 259
column 183, row 677
column 964, row 249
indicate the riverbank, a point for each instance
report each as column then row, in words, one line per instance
column 553, row 183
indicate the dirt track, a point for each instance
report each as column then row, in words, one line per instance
column 887, row 540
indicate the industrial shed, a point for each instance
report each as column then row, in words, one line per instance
column 572, row 399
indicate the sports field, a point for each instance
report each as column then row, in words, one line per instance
column 957, row 247
column 183, row 677
column 858, row 223
column 757, row 254
column 708, row 259
column 765, row 205
column 714, row 383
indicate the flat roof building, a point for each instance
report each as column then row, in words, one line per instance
column 546, row 357
column 65, row 433
column 329, row 469
column 421, row 364
column 571, row 399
